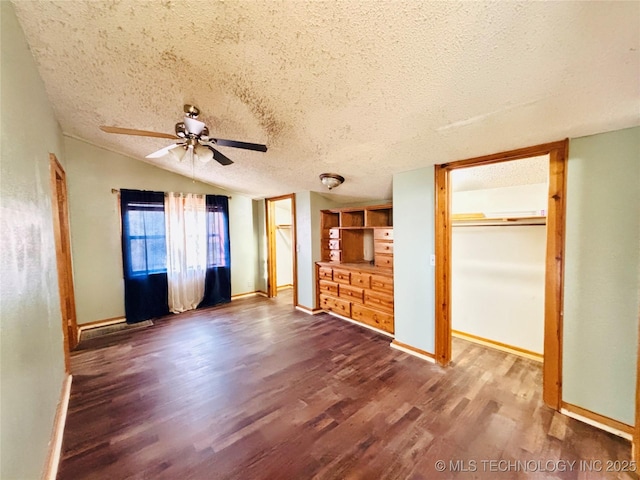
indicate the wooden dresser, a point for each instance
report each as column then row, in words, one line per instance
column 355, row 276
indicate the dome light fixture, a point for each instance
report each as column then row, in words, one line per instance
column 331, row 180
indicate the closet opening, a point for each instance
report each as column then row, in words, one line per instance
column 498, row 245
column 527, row 254
column 281, row 241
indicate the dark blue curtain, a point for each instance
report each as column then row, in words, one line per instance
column 217, row 287
column 144, row 254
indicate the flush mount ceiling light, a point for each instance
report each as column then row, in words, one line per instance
column 331, row 180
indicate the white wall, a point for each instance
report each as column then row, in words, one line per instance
column 31, row 342
column 95, row 225
column 498, row 272
column 497, row 283
column 520, row 198
column 414, row 283
column 284, row 253
column 602, row 291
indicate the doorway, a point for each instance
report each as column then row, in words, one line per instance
column 554, row 258
column 498, row 245
column 281, row 245
column 63, row 257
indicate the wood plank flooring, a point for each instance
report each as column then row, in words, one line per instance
column 257, row 390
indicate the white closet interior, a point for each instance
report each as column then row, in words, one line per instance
column 498, row 253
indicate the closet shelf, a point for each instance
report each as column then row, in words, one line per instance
column 498, row 222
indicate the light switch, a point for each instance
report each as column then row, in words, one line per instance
column 432, row 260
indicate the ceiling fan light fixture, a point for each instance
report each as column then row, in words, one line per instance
column 194, row 127
column 204, row 154
column 331, row 180
column 178, row 153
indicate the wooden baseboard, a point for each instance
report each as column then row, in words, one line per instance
column 364, row 325
column 599, row 421
column 308, row 310
column 284, row 287
column 416, row 352
column 248, row 294
column 498, row 345
column 55, row 445
column 100, row 323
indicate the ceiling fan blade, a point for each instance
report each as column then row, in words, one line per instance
column 163, row 151
column 233, row 143
column 219, row 157
column 140, row 133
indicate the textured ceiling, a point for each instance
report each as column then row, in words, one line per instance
column 527, row 171
column 360, row 88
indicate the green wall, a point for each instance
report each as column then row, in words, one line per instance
column 414, row 284
column 308, row 206
column 31, row 345
column 95, row 225
column 601, row 286
column 260, row 239
column 601, row 295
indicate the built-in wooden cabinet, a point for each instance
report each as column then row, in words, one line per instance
column 363, row 293
column 358, row 235
column 355, row 276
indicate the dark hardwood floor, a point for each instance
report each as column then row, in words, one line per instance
column 257, row 390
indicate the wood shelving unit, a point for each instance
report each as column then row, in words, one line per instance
column 355, row 276
column 345, row 232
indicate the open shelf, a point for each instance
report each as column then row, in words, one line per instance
column 499, row 222
column 379, row 216
column 352, row 218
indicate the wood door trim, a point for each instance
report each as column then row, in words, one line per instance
column 554, row 274
column 63, row 258
column 635, row 451
column 272, row 287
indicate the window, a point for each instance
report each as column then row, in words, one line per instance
column 145, row 239
column 216, row 244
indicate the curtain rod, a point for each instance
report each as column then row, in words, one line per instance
column 115, row 190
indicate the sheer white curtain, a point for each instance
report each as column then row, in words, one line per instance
column 186, row 225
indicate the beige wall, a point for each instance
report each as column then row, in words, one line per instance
column 31, row 353
column 95, row 225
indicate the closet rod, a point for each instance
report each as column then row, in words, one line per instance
column 115, row 190
column 505, row 224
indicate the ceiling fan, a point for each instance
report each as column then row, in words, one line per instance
column 193, row 140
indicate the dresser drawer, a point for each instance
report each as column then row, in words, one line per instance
column 325, row 273
column 374, row 318
column 351, row 293
column 334, row 233
column 384, row 261
column 383, row 234
column 335, row 256
column 336, row 305
column 362, row 280
column 379, row 300
column 382, row 247
column 328, row 288
column 334, row 244
column 341, row 276
column 382, row 283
